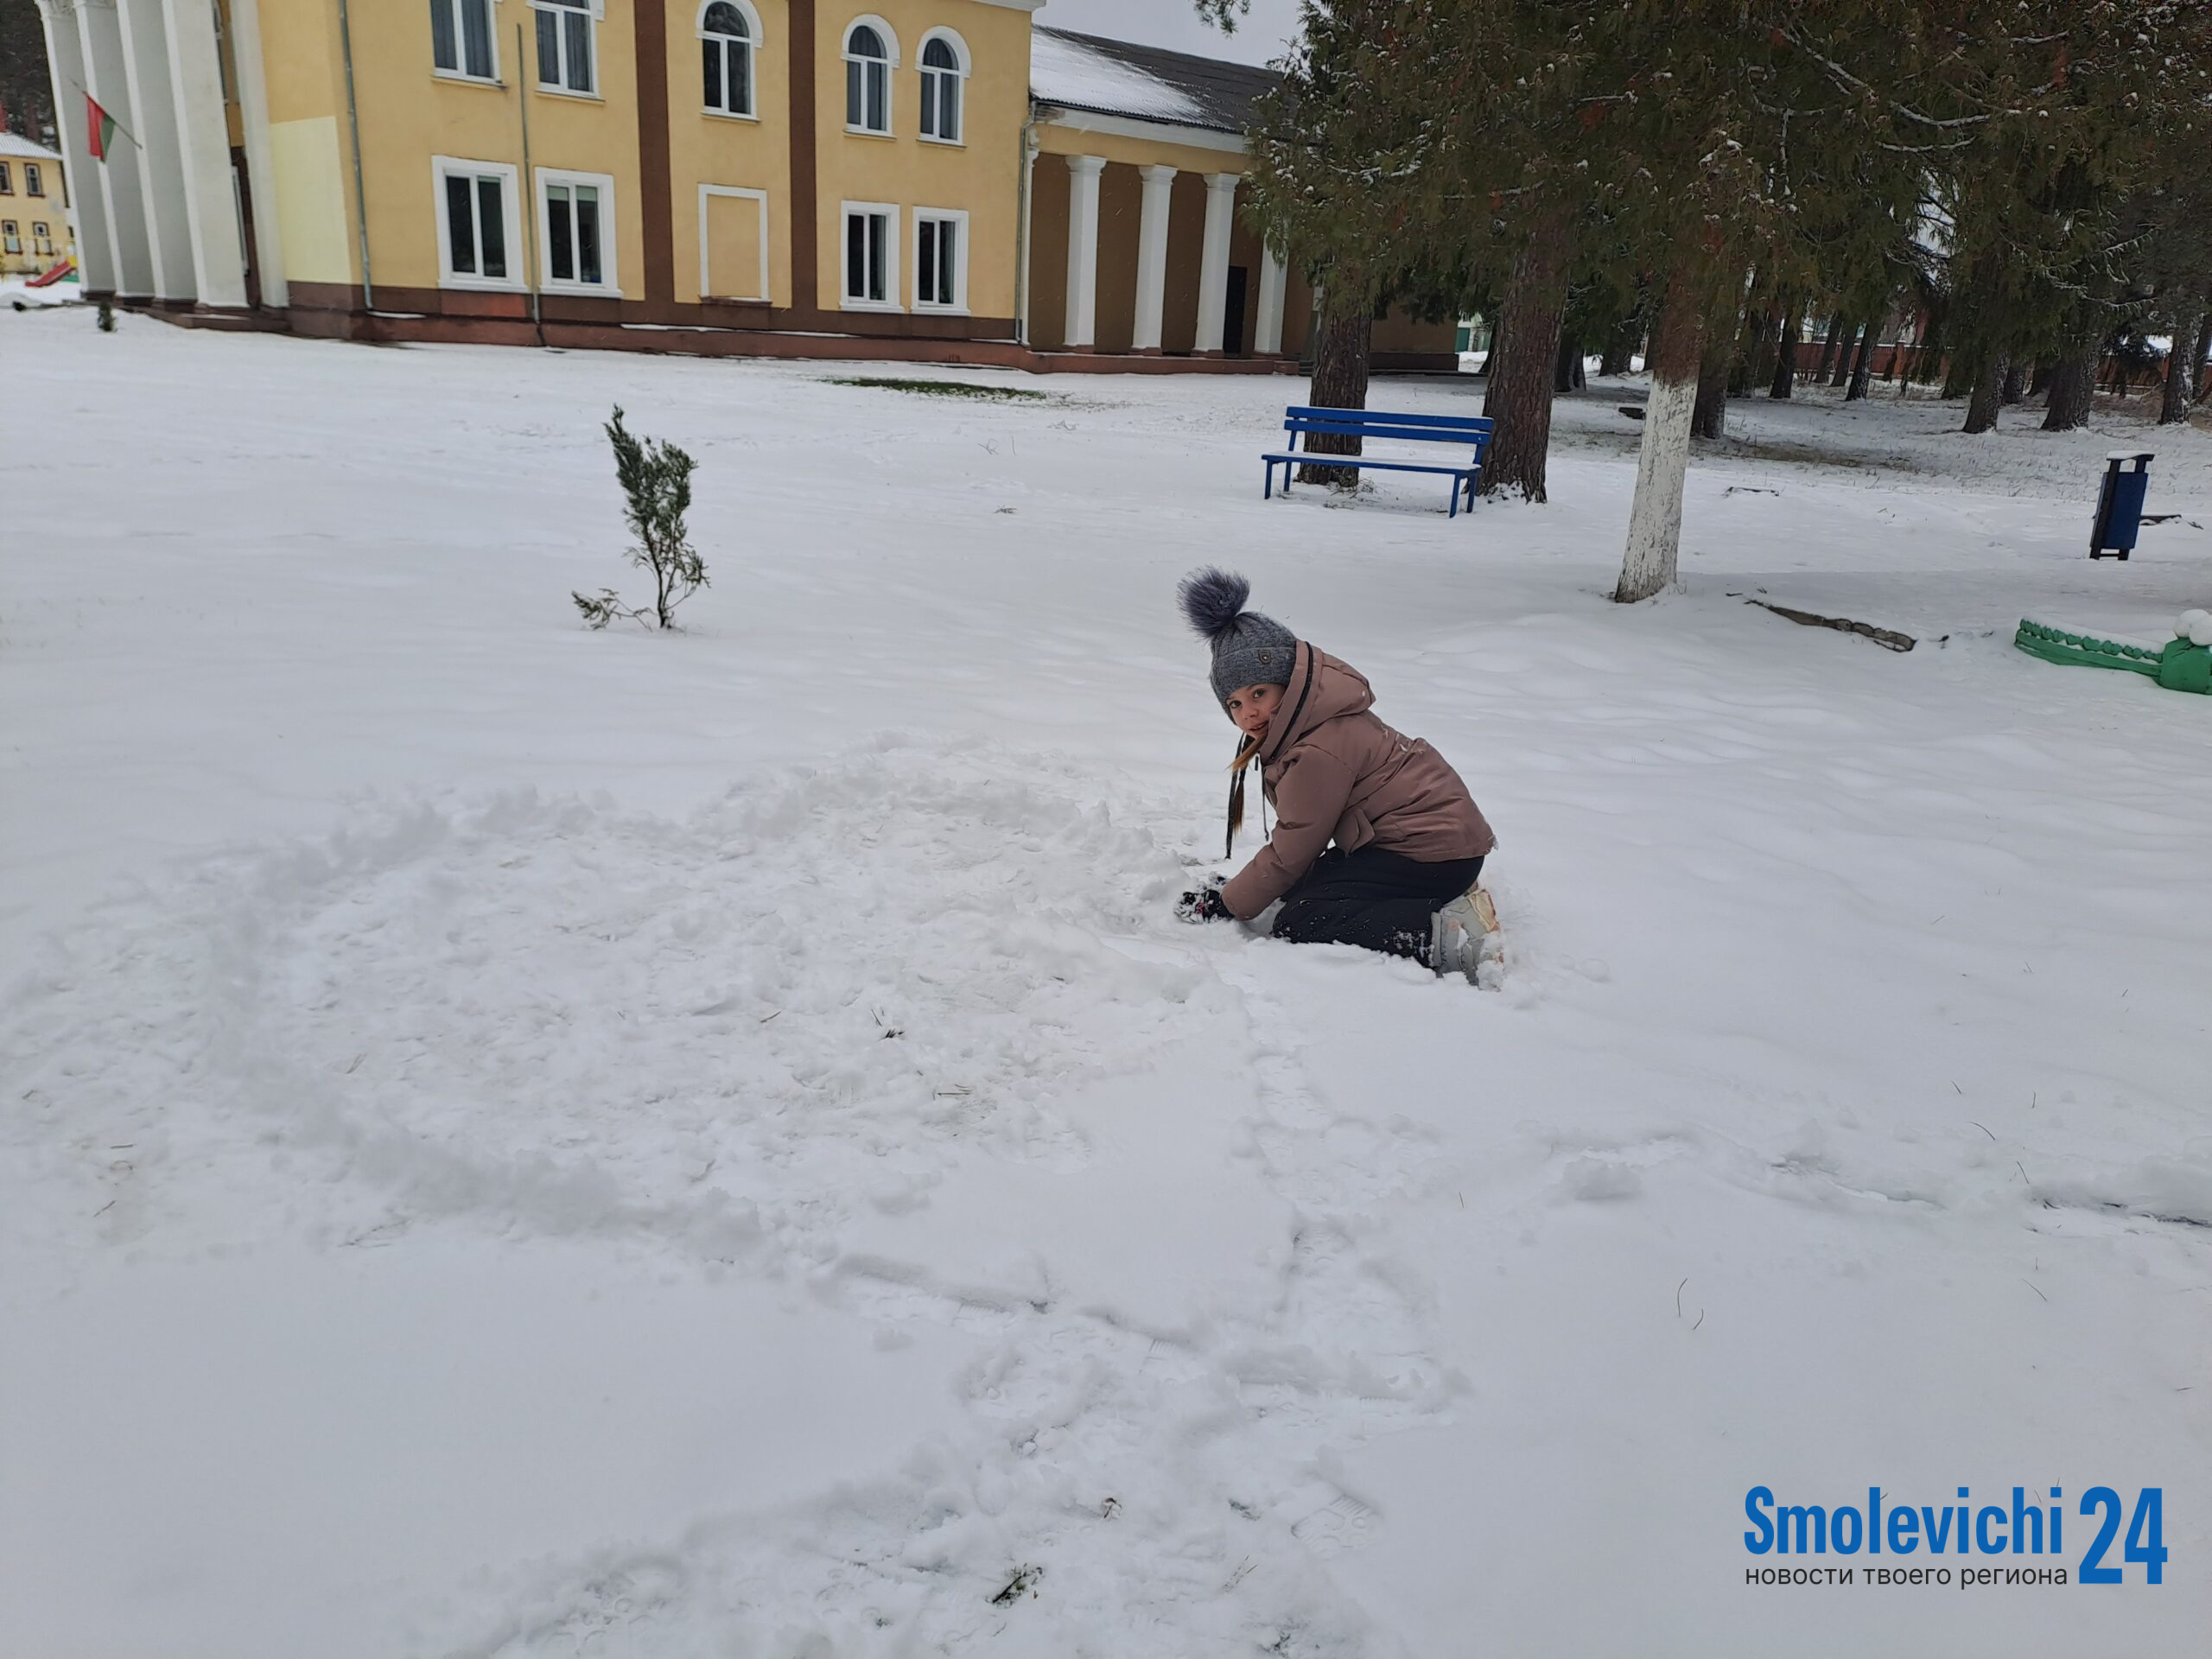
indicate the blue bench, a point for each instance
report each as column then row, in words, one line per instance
column 1467, row 431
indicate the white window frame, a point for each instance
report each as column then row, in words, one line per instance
column 891, row 288
column 595, row 13
column 461, row 44
column 957, row 217
column 10, row 241
column 890, row 38
column 510, row 215
column 752, row 15
column 959, row 76
column 41, row 236
column 610, row 283
column 7, row 181
column 33, row 179
column 760, row 197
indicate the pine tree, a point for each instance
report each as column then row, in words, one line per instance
column 1352, row 182
column 655, row 479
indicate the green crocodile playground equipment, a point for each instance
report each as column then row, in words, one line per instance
column 2184, row 664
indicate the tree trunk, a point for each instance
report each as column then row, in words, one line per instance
column 1834, row 344
column 1619, row 355
column 1862, row 367
column 1843, row 361
column 2196, row 358
column 2180, row 378
column 1750, row 344
column 2073, row 389
column 1520, row 396
column 1654, row 521
column 1827, row 350
column 1785, row 356
column 1988, row 385
column 1567, row 369
column 1709, row 413
column 1765, row 347
column 1341, row 346
column 2015, row 388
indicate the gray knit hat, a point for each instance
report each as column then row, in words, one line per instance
column 1249, row 649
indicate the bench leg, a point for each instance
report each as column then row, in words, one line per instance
column 1269, row 493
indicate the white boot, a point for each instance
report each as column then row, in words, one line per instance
column 1459, row 933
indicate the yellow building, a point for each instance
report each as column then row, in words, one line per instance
column 33, row 208
column 937, row 179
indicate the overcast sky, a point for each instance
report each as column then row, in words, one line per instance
column 1175, row 23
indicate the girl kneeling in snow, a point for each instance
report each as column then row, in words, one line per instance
column 1409, row 839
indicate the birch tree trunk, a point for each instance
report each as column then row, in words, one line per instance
column 1654, row 521
column 1519, row 397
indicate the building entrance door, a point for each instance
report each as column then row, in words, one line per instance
column 1232, row 328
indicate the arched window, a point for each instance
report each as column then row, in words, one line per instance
column 871, row 52
column 945, row 67
column 728, row 35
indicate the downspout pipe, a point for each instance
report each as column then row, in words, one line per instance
column 1023, row 168
column 529, row 197
column 353, row 121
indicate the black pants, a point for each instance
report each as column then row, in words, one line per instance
column 1378, row 900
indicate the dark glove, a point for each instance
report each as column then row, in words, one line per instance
column 1203, row 905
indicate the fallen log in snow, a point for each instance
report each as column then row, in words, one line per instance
column 1888, row 638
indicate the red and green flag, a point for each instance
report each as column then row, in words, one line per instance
column 99, row 128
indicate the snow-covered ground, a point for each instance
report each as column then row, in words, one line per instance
column 523, row 1143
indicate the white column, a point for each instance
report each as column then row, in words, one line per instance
column 65, row 58
column 1152, row 257
column 1213, row 267
column 146, row 67
column 101, row 33
column 1081, row 325
column 260, row 164
column 1267, row 332
column 211, row 205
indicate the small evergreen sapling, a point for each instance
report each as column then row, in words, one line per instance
column 655, row 479
column 107, row 318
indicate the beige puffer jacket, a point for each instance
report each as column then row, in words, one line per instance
column 1333, row 772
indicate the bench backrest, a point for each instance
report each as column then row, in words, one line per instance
column 1381, row 424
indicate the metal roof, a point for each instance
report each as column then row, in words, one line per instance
column 14, row 143
column 1144, row 83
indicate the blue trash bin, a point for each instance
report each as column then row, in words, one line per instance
column 2119, row 503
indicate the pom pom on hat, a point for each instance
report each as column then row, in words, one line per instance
column 1213, row 600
